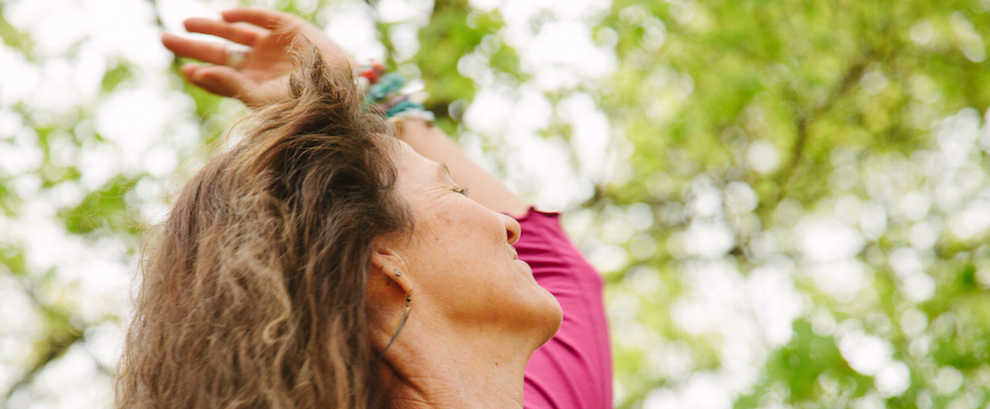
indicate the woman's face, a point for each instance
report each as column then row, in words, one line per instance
column 460, row 256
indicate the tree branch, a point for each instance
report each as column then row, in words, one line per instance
column 56, row 342
column 806, row 117
column 848, row 79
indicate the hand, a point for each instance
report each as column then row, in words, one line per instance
column 262, row 76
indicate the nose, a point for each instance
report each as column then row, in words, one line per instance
column 512, row 229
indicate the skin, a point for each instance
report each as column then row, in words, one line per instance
column 271, row 37
column 263, row 77
column 477, row 313
column 482, row 186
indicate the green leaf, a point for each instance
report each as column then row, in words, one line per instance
column 116, row 75
column 105, row 208
column 15, row 38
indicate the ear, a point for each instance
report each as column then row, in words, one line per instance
column 389, row 285
column 388, row 276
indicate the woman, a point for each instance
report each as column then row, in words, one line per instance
column 323, row 263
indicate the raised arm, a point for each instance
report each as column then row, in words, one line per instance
column 259, row 76
column 258, row 73
column 573, row 370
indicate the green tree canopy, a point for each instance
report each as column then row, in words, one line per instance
column 789, row 200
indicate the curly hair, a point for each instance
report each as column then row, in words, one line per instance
column 253, row 291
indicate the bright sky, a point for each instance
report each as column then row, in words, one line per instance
column 148, row 127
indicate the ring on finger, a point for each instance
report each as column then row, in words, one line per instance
column 235, row 57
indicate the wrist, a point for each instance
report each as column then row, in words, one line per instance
column 388, row 94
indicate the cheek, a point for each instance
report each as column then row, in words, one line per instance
column 463, row 252
column 466, row 225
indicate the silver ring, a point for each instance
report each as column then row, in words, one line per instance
column 235, row 58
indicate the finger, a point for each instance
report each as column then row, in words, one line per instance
column 238, row 33
column 212, row 53
column 261, row 17
column 217, row 79
column 189, row 69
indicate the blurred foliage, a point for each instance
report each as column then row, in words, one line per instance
column 103, row 208
column 812, row 176
column 836, row 88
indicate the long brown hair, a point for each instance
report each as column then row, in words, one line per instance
column 253, row 291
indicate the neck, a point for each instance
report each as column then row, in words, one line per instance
column 446, row 368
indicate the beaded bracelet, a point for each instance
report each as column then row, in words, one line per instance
column 384, row 94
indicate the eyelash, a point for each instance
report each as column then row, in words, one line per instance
column 462, row 191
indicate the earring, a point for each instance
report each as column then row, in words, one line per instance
column 397, row 272
column 402, row 323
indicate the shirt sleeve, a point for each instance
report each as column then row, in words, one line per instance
column 574, row 369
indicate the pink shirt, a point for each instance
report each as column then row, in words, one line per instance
column 574, row 369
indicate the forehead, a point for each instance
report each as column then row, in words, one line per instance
column 417, row 186
column 416, row 169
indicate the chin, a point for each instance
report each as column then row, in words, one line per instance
column 551, row 317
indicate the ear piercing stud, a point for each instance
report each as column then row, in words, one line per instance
column 397, row 272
